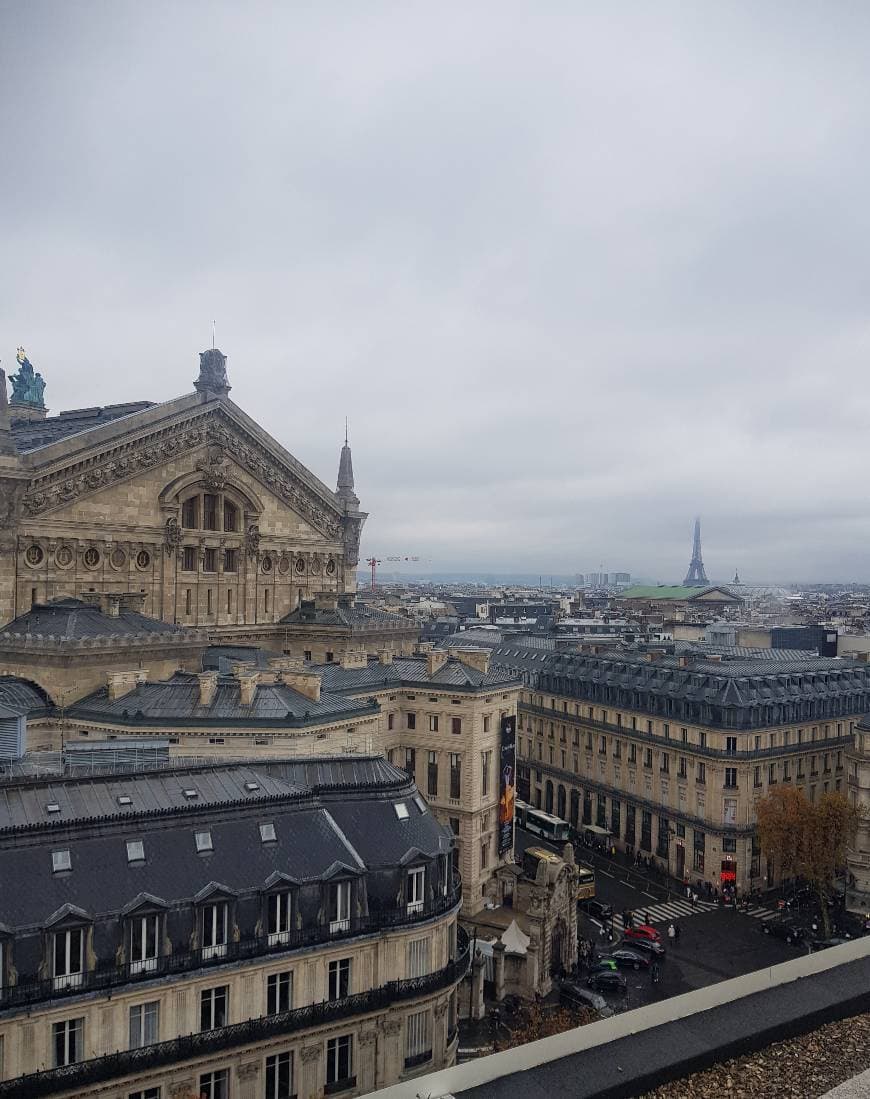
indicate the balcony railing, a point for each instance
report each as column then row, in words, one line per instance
column 85, row 1074
column 107, row 977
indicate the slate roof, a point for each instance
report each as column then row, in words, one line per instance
column 348, row 616
column 33, row 434
column 71, row 619
column 20, row 697
column 730, row 682
column 346, row 818
column 412, row 672
column 222, row 657
column 175, row 701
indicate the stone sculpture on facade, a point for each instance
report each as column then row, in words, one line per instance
column 28, row 386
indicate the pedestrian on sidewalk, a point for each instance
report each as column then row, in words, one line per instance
column 672, row 932
column 676, row 932
column 694, row 900
column 646, row 919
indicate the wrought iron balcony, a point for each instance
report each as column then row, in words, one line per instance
column 85, row 1074
column 185, row 961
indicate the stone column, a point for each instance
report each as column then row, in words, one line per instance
column 248, row 1077
column 477, row 973
column 311, row 1076
column 439, row 1034
column 532, row 965
column 393, row 1059
column 367, row 1067
column 498, row 953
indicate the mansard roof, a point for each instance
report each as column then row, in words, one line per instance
column 70, row 619
column 176, row 701
column 325, row 812
column 346, row 614
column 414, row 672
column 34, row 434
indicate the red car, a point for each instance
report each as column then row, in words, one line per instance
column 642, row 931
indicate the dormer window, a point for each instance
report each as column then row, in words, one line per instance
column 203, row 842
column 278, row 915
column 416, row 890
column 135, row 851
column 267, row 833
column 339, row 907
column 214, row 930
column 144, row 943
column 60, row 861
column 68, row 953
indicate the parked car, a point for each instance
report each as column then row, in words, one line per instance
column 800, row 898
column 653, row 949
column 783, row 929
column 608, row 980
column 574, row 995
column 629, row 959
column 597, row 909
column 642, row 931
column 823, row 944
column 604, row 962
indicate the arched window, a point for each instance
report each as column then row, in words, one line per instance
column 212, row 511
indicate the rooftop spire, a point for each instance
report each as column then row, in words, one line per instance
column 344, row 488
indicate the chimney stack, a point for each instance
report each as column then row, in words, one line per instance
column 475, row 658
column 119, row 684
column 306, row 683
column 207, row 687
column 385, row 656
column 248, row 687
column 435, row 660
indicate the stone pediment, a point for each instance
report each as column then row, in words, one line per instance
column 229, row 440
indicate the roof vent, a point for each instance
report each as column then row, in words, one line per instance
column 251, row 786
column 52, row 807
column 124, row 799
column 191, row 794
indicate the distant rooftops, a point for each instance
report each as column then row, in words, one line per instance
column 679, row 592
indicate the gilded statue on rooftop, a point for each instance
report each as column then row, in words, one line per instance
column 28, row 385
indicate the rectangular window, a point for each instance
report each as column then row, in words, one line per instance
column 433, row 723
column 486, row 767
column 279, row 1076
column 666, row 763
column 456, row 725
column 646, row 830
column 209, row 512
column 188, row 559
column 213, row 1007
column 698, row 853
column 418, row 958
column 339, row 907
column 215, row 1085
column 486, row 723
column 209, row 560
column 702, row 740
column 339, row 979
column 410, row 762
column 647, row 757
column 484, row 855
column 390, row 719
column 730, row 776
column 144, row 1024
column 731, row 744
column 682, row 769
column 278, row 925
column 143, row 944
column 729, row 844
column 729, row 811
column 214, row 930
column 455, row 774
column 68, row 955
column 67, row 1040
column 432, row 775
column 229, row 600
column 145, row 1093
column 756, row 777
column 416, row 889
column 231, row 562
column 771, row 772
column 701, row 776
column 339, row 1062
column 279, row 992
column 632, row 753
column 412, row 720
column 189, row 510
column 418, row 1039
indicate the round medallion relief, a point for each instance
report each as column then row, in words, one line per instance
column 91, row 557
column 284, row 565
column 143, row 559
column 300, row 564
column 64, row 557
column 34, row 555
column 117, row 558
column 330, row 568
column 267, row 564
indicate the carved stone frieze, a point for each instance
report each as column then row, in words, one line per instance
column 252, row 540
column 311, row 1053
column 172, row 536
column 225, row 439
column 351, row 529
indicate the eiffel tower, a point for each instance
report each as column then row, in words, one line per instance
column 696, row 577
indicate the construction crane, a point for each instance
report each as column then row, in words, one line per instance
column 373, row 562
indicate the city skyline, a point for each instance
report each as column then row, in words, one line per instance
column 543, row 360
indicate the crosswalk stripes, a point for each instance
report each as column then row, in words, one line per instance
column 676, row 909
column 761, row 913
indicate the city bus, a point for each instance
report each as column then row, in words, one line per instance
column 534, row 856
column 585, row 883
column 542, row 824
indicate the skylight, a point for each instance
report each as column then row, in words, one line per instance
column 251, row 786
column 52, row 807
column 135, row 851
column 401, row 810
column 267, row 833
column 191, row 793
column 123, row 799
column 421, row 805
column 203, row 841
column 60, row 860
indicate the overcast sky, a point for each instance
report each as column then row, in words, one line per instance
column 574, row 272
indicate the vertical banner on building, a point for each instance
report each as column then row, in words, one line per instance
column 507, row 779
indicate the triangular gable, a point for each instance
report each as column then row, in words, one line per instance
column 214, row 888
column 70, row 912
column 143, row 900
